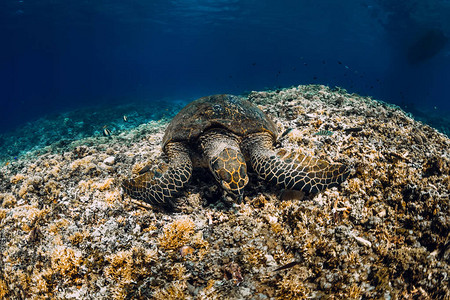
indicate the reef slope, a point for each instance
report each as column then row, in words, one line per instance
column 67, row 231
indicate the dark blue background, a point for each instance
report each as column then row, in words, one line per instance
column 61, row 55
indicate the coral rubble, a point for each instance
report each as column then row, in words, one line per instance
column 68, row 232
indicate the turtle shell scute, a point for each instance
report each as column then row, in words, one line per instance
column 232, row 113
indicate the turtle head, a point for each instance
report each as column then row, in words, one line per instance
column 230, row 170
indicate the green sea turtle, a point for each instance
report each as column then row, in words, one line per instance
column 223, row 132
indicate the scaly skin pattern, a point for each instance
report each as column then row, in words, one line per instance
column 160, row 189
column 223, row 132
column 225, row 159
column 298, row 172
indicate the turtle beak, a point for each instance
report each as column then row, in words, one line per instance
column 237, row 194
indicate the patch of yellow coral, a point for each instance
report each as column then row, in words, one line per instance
column 3, row 289
column 7, row 200
column 27, row 215
column 16, row 178
column 66, row 260
column 56, row 226
column 176, row 234
column 84, row 164
column 91, row 185
column 126, row 266
column 174, row 291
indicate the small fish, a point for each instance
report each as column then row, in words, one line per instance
column 125, row 119
column 353, row 129
column 106, row 131
column 285, row 132
column 324, row 132
column 287, row 266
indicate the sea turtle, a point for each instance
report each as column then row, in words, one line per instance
column 223, row 132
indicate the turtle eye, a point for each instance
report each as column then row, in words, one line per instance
column 225, row 185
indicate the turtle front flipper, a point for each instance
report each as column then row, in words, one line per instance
column 298, row 172
column 159, row 189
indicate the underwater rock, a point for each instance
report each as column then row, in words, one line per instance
column 110, row 160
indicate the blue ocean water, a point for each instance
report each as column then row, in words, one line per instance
column 63, row 55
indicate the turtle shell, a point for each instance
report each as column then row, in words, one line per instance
column 218, row 111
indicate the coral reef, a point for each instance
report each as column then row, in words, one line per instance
column 59, row 130
column 68, row 232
